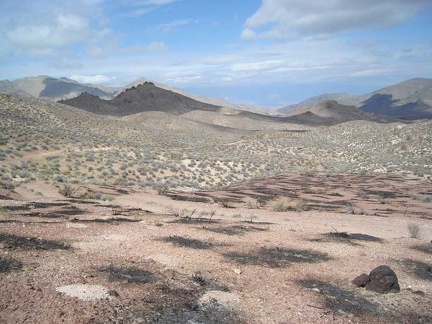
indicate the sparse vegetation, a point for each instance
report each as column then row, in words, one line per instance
column 68, row 190
column 414, row 230
column 283, row 204
column 423, row 198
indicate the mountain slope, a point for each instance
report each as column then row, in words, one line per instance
column 12, row 89
column 411, row 99
column 342, row 98
column 56, row 89
column 145, row 97
column 331, row 112
column 212, row 101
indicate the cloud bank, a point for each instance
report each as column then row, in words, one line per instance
column 284, row 19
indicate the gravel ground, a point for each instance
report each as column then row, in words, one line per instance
column 74, row 261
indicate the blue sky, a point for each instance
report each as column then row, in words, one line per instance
column 269, row 53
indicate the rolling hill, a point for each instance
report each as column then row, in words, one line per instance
column 331, row 112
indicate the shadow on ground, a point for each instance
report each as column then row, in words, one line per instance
column 9, row 264
column 29, row 243
column 166, row 300
column 129, row 274
column 235, row 229
column 423, row 248
column 344, row 237
column 276, row 257
column 187, row 242
column 342, row 301
column 420, row 270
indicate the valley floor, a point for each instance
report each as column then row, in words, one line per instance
column 111, row 254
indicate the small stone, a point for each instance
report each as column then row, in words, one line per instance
column 316, row 290
column 419, row 293
column 113, row 293
column 361, row 281
column 169, row 274
column 237, row 271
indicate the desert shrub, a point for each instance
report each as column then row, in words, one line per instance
column 414, row 231
column 252, row 204
column 283, row 204
column 9, row 185
column 423, row 198
column 362, row 193
column 68, row 190
column 349, row 209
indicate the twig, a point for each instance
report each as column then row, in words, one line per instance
column 319, row 307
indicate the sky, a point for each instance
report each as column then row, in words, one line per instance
column 270, row 53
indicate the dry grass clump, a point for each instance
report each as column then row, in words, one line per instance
column 283, row 204
column 414, row 231
column 252, row 203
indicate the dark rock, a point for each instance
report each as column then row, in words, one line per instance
column 419, row 293
column 113, row 293
column 361, row 281
column 383, row 280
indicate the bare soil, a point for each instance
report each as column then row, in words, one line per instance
column 217, row 256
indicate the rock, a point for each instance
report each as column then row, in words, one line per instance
column 113, row 293
column 237, row 271
column 169, row 274
column 361, row 281
column 383, row 280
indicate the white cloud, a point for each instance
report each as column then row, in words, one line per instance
column 66, row 63
column 143, row 7
column 282, row 19
column 50, row 27
column 157, row 2
column 94, row 79
column 62, row 30
column 155, row 47
column 173, row 24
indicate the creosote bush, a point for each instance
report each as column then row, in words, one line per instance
column 68, row 190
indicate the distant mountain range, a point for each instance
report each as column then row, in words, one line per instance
column 410, row 99
column 56, row 89
column 147, row 97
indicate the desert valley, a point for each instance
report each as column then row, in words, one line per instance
column 147, row 204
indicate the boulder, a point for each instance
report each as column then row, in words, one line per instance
column 383, row 280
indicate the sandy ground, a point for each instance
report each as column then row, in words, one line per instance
column 148, row 258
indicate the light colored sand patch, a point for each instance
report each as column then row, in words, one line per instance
column 84, row 292
column 75, row 225
column 226, row 299
column 163, row 259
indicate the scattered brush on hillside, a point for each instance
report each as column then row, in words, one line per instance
column 283, row 204
column 52, row 142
